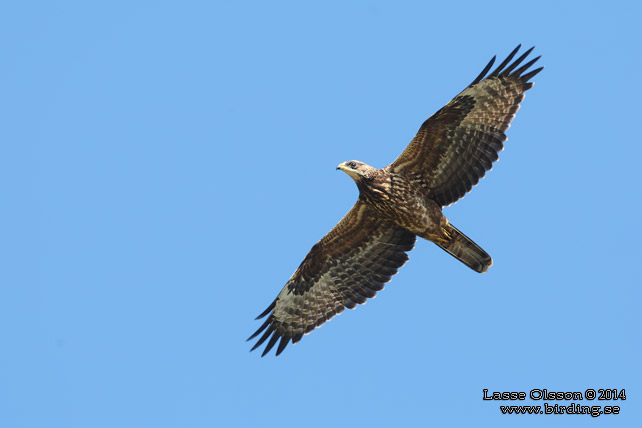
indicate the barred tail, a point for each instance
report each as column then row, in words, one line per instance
column 465, row 250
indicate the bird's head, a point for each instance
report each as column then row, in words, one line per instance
column 355, row 169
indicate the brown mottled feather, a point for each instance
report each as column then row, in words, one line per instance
column 455, row 147
column 452, row 150
column 349, row 265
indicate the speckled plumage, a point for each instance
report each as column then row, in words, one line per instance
column 452, row 150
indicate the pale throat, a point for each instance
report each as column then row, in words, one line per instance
column 353, row 174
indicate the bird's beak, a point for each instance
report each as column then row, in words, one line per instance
column 341, row 166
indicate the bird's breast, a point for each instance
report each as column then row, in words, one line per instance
column 397, row 200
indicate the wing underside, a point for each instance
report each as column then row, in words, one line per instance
column 348, row 266
column 455, row 147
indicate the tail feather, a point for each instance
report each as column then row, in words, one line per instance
column 465, row 250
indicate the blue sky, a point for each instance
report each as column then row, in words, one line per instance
column 167, row 165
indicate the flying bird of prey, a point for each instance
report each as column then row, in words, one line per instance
column 452, row 150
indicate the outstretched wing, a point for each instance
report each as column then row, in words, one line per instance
column 455, row 147
column 350, row 264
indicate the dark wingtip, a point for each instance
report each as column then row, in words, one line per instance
column 263, row 327
column 282, row 344
column 515, row 63
column 530, row 75
column 484, row 71
column 267, row 311
column 509, row 70
column 523, row 68
column 505, row 62
column 270, row 344
column 267, row 334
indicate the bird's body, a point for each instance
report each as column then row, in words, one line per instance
column 452, row 150
column 406, row 203
column 394, row 197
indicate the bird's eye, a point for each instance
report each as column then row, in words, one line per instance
column 352, row 165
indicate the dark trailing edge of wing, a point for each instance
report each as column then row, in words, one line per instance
column 501, row 71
